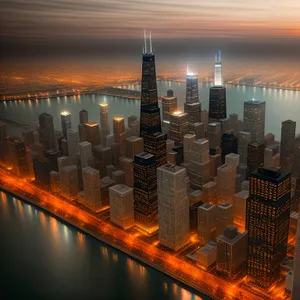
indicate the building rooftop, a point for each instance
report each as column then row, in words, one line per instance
column 243, row 194
column 65, row 113
column 224, row 205
column 121, row 189
column 208, row 248
column 207, row 206
column 231, row 241
column 92, row 124
column 272, row 174
column 171, row 168
column 84, row 144
column 254, row 103
column 209, row 185
column 69, row 168
column 89, row 170
column 133, row 138
column 144, row 155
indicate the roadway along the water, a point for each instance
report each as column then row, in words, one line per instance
column 128, row 243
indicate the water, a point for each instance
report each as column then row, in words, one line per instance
column 43, row 258
column 280, row 105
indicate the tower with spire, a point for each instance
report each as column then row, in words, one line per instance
column 145, row 203
column 217, row 93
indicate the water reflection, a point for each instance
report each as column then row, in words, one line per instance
column 4, row 204
column 104, row 252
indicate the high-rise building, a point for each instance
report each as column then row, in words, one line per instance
column 46, row 131
column 17, row 156
column 210, row 193
column 145, row 192
column 194, row 112
column 173, row 207
column 150, row 124
column 244, row 139
column 66, row 124
column 254, row 120
column 207, row 222
column 41, row 168
column 239, row 209
column 199, row 169
column 85, row 152
column 169, row 105
column 126, row 165
column 214, row 135
column 267, row 223
column 287, row 145
column 83, row 116
column 91, row 189
column 224, row 217
column 296, row 269
column 232, row 252
column 233, row 121
column 229, row 144
column 192, row 91
column 272, row 156
column 121, row 205
column 69, row 181
column 118, row 129
column 131, row 119
column 225, row 126
column 255, row 157
column 217, row 93
column 134, row 145
column 178, row 127
column 188, row 140
column 52, row 155
column 104, row 123
column 73, row 140
column 92, row 132
column 226, row 183
column 103, row 158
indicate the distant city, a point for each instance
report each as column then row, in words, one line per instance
column 201, row 195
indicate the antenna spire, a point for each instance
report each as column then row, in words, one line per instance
column 145, row 41
column 150, row 42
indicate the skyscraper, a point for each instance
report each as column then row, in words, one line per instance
column 288, row 129
column 226, row 183
column 134, row 145
column 255, row 156
column 69, row 181
column 92, row 132
column 46, row 131
column 207, row 222
column 192, row 92
column 150, row 125
column 254, row 120
column 85, row 152
column 169, row 105
column 145, row 192
column 66, row 124
column 229, row 144
column 104, row 123
column 91, row 188
column 173, row 207
column 178, row 127
column 217, row 93
column 121, row 205
column 73, row 139
column 296, row 269
column 267, row 223
column 83, row 116
column 244, row 139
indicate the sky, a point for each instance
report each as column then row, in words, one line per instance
column 86, row 28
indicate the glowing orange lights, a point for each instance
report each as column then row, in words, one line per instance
column 118, row 119
column 103, row 104
column 64, row 113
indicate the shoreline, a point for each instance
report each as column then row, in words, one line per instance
column 106, row 241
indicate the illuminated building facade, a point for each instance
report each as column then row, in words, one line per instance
column 192, row 91
column 214, row 135
column 287, row 144
column 66, row 124
column 239, row 209
column 217, row 93
column 121, row 205
column 267, row 223
column 169, row 105
column 232, row 252
column 254, row 120
column 83, row 116
column 119, row 133
column 173, row 207
column 210, row 193
column 92, row 132
column 104, row 123
column 126, row 165
column 46, row 131
column 226, row 183
column 224, row 217
column 145, row 192
column 150, row 124
column 178, row 127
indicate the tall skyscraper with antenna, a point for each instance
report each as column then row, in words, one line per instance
column 217, row 93
column 150, row 125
